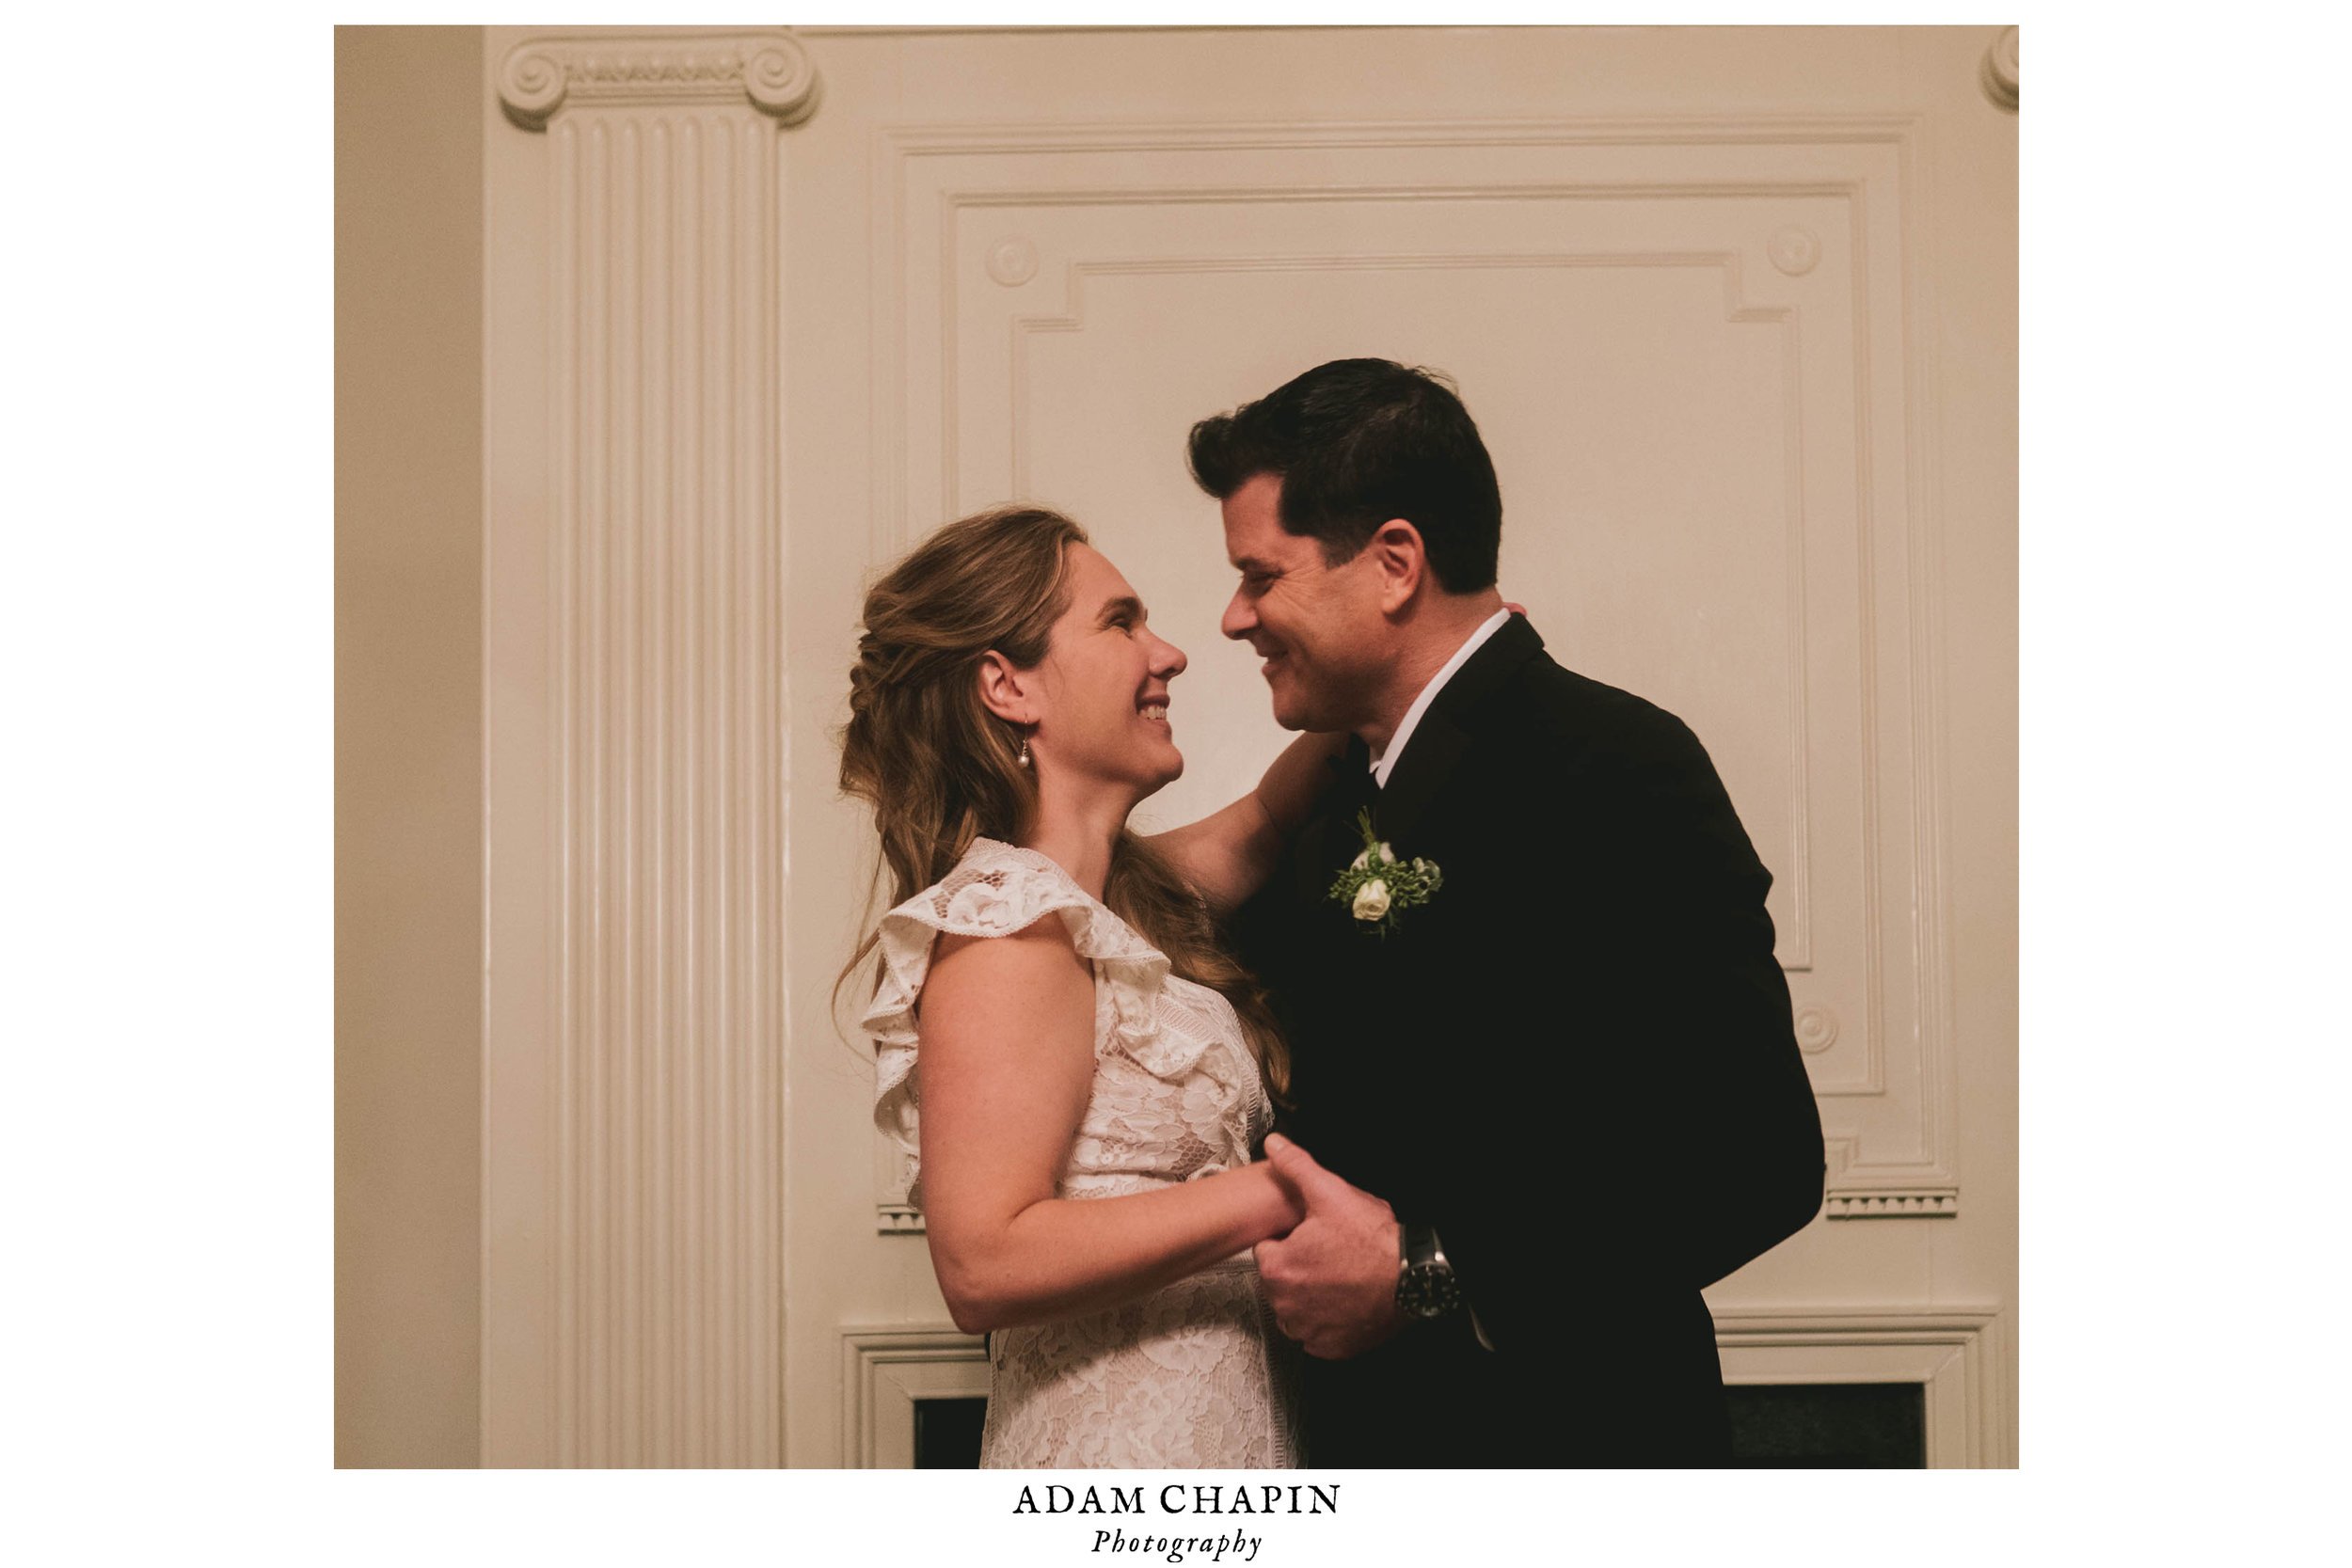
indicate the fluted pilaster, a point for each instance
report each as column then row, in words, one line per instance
column 659, row 1067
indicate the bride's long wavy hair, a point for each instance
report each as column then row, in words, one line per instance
column 940, row 770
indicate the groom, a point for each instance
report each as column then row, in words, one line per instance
column 1558, row 1095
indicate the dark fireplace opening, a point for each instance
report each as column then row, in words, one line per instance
column 1830, row 1426
column 947, row 1433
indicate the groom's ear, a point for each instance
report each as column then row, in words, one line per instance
column 1397, row 555
column 1005, row 692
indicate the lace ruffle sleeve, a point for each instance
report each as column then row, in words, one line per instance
column 994, row 890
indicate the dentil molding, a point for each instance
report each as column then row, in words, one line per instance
column 771, row 71
column 1921, row 1204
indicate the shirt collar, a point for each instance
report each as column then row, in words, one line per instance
column 1383, row 761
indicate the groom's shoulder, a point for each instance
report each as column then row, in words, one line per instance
column 1567, row 716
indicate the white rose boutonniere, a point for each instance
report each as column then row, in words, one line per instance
column 1376, row 885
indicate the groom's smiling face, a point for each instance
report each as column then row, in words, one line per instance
column 1318, row 626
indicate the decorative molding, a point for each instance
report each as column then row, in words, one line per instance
column 1856, row 1190
column 894, row 1212
column 885, row 1371
column 1998, row 74
column 1226, row 196
column 770, row 71
column 1953, row 1353
column 1817, row 1029
column 669, row 551
column 927, row 179
column 897, row 150
column 1918, row 1203
column 639, row 731
column 1737, row 310
column 1761, row 129
column 1950, row 1351
column 1793, row 250
column 1923, row 664
column 1012, row 262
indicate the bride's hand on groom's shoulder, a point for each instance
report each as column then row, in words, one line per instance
column 1332, row 1280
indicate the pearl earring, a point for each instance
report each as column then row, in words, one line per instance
column 1024, row 748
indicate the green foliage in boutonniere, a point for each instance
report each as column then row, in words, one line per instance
column 1377, row 884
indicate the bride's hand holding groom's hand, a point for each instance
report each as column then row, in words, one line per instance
column 1332, row 1280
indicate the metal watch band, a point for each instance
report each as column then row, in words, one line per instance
column 1425, row 1286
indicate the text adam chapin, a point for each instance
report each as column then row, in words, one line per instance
column 1180, row 1497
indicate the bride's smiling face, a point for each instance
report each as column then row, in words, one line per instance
column 1102, row 689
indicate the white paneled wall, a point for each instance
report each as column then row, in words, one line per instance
column 1736, row 311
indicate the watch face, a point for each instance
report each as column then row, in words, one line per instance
column 1428, row 1291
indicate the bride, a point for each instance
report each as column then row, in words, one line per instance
column 1085, row 1095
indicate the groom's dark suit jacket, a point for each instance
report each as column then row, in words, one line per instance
column 1575, row 1061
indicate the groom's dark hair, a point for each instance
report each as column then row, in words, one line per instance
column 1355, row 443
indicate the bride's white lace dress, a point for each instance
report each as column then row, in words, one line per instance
column 1195, row 1374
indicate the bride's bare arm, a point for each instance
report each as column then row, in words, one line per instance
column 1008, row 1060
column 1228, row 854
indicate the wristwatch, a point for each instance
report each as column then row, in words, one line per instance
column 1425, row 1286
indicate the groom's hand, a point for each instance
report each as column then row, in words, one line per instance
column 1332, row 1280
